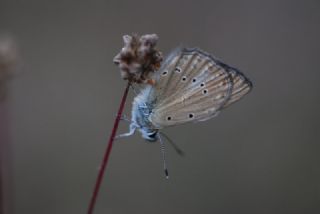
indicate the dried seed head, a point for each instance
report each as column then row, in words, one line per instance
column 138, row 58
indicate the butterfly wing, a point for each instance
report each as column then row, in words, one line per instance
column 194, row 86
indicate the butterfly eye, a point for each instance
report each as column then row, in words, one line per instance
column 184, row 78
column 164, row 73
column 190, row 115
column 178, row 70
column 205, row 91
column 168, row 118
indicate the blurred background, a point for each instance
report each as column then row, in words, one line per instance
column 261, row 155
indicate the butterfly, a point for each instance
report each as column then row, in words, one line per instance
column 190, row 86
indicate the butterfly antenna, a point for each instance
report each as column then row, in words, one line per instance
column 175, row 146
column 163, row 157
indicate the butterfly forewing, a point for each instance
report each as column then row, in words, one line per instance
column 189, row 68
column 214, row 88
column 193, row 86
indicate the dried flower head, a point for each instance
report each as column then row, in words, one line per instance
column 8, row 59
column 138, row 58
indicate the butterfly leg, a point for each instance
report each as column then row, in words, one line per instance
column 132, row 129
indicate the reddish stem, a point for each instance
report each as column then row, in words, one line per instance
column 107, row 153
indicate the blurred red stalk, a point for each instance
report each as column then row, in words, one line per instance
column 107, row 153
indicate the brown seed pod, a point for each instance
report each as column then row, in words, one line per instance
column 138, row 58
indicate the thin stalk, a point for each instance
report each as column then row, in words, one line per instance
column 107, row 153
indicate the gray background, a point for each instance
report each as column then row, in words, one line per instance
column 261, row 155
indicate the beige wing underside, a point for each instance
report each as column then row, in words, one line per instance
column 194, row 86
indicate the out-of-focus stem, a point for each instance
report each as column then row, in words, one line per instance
column 8, row 61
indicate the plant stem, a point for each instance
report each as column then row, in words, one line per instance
column 107, row 153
